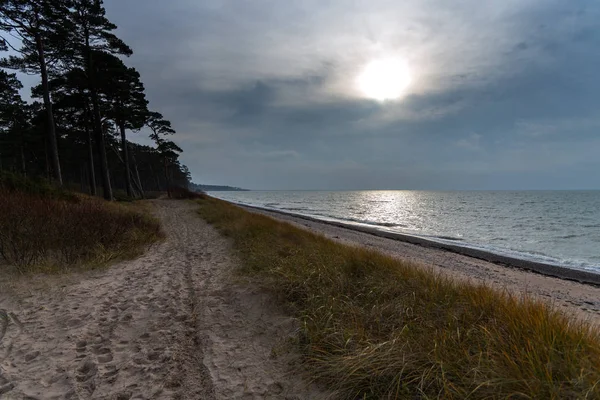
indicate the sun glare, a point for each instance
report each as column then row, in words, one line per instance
column 384, row 79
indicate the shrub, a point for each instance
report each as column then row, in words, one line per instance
column 57, row 233
column 36, row 187
column 183, row 193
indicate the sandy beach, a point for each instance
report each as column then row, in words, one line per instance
column 178, row 323
column 519, row 277
column 172, row 324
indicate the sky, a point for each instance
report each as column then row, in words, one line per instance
column 264, row 94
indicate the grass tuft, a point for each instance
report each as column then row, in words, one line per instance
column 374, row 327
column 53, row 233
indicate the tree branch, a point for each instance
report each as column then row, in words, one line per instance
column 9, row 45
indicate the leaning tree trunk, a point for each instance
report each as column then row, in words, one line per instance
column 90, row 148
column 137, row 174
column 98, row 134
column 51, row 128
column 125, row 159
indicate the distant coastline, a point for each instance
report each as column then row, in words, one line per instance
column 216, row 188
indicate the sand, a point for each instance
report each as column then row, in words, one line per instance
column 581, row 300
column 175, row 323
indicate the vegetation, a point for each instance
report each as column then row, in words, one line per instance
column 215, row 188
column 89, row 97
column 375, row 327
column 186, row 194
column 11, row 183
column 50, row 229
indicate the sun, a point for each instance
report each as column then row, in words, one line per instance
column 384, row 79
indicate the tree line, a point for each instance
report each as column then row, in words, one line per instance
column 88, row 100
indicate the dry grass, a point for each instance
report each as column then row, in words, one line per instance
column 374, row 327
column 41, row 233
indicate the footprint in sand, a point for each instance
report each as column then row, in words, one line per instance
column 86, row 371
column 31, row 356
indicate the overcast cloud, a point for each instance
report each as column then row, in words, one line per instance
column 504, row 95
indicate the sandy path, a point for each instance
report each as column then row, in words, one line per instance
column 578, row 299
column 169, row 325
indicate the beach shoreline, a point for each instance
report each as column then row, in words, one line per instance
column 547, row 269
column 574, row 292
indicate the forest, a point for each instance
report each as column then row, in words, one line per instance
column 74, row 132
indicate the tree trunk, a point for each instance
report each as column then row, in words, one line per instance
column 48, row 173
column 137, row 188
column 51, row 128
column 91, row 170
column 131, row 177
column 125, row 159
column 156, row 178
column 23, row 161
column 91, row 175
column 98, row 134
column 82, row 177
column 137, row 174
column 167, row 181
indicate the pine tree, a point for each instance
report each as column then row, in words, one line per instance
column 41, row 27
column 124, row 93
column 13, row 119
column 91, row 34
column 167, row 150
column 72, row 105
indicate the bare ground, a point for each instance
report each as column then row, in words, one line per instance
column 172, row 324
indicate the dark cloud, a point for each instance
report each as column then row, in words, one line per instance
column 262, row 94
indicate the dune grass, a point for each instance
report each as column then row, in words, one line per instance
column 374, row 327
column 46, row 230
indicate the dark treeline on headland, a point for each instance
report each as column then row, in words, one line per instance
column 87, row 102
column 215, row 188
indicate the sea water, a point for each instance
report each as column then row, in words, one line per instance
column 557, row 227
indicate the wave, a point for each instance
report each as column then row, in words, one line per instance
column 454, row 239
column 325, row 214
column 297, row 209
column 367, row 222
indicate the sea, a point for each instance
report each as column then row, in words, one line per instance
column 555, row 227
